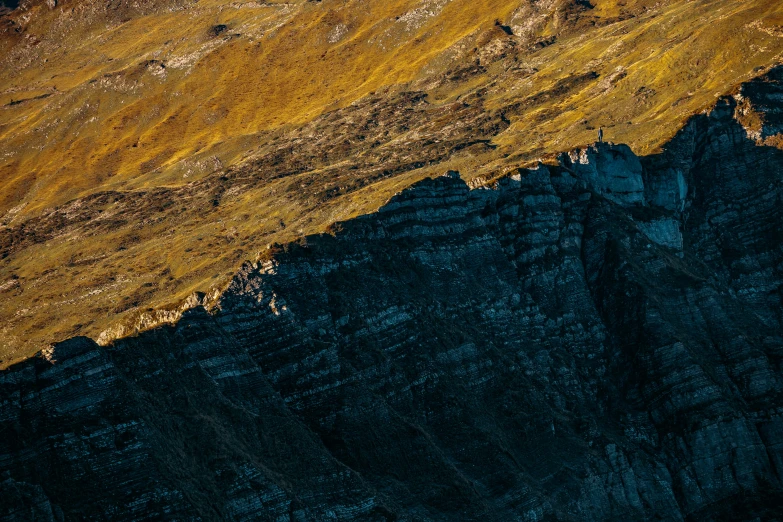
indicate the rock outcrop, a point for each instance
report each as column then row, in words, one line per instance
column 760, row 106
column 597, row 340
column 612, row 171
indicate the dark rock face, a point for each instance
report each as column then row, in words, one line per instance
column 598, row 340
column 763, row 96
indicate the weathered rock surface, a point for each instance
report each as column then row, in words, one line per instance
column 612, row 171
column 596, row 340
column 761, row 104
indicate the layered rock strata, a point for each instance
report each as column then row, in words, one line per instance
column 595, row 340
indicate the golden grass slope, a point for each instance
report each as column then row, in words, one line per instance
column 157, row 102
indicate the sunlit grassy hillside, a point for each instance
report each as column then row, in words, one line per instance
column 147, row 149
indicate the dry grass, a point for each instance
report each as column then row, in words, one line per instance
column 147, row 97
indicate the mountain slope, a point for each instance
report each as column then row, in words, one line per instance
column 149, row 148
column 594, row 340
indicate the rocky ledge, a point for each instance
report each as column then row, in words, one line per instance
column 599, row 339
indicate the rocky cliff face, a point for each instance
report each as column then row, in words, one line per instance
column 596, row 340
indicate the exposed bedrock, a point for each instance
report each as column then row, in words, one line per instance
column 595, row 340
column 612, row 171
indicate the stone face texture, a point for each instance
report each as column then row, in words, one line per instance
column 598, row 340
column 764, row 95
column 612, row 171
